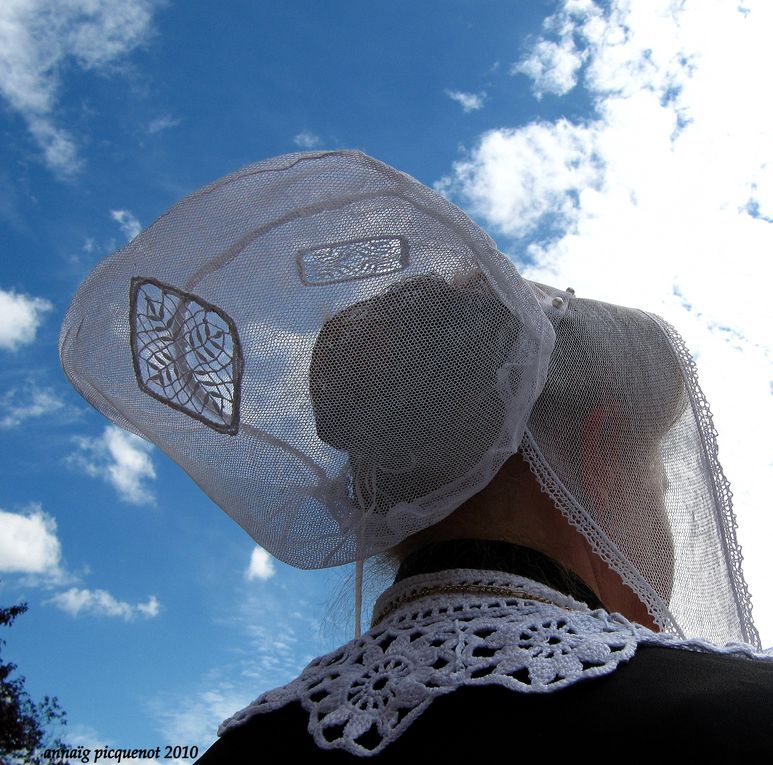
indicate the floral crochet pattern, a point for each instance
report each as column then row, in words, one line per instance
column 363, row 695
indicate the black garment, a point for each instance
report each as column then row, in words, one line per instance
column 663, row 702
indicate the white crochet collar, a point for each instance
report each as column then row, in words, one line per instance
column 363, row 695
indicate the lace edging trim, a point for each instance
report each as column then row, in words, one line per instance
column 366, row 693
column 728, row 523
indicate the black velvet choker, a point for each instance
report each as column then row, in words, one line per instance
column 497, row 555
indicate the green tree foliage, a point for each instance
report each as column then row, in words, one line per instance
column 23, row 723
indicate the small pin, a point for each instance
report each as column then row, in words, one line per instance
column 558, row 302
column 569, row 289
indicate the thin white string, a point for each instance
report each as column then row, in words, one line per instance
column 357, row 597
column 359, row 561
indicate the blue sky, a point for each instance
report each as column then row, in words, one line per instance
column 620, row 148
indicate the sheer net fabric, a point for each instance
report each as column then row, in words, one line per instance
column 622, row 439
column 340, row 357
column 620, row 436
column 266, row 257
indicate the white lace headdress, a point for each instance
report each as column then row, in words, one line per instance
column 340, row 357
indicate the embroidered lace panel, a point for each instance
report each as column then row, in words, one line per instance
column 186, row 353
column 363, row 695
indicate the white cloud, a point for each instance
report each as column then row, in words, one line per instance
column 164, row 122
column 470, row 102
column 37, row 38
column 272, row 643
column 553, row 67
column 306, row 140
column 101, row 603
column 20, row 317
column 195, row 718
column 121, row 458
column 17, row 406
column 661, row 202
column 261, row 565
column 517, row 177
column 551, row 64
column 151, row 608
column 29, row 544
column 127, row 221
column 59, row 150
